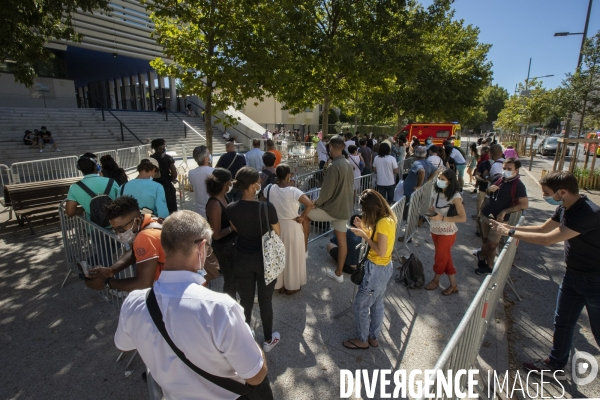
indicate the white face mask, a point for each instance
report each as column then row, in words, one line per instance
column 230, row 187
column 128, row 236
column 441, row 184
column 258, row 190
column 507, row 174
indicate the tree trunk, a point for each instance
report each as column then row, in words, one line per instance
column 399, row 117
column 208, row 118
column 325, row 119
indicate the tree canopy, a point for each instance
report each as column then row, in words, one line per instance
column 27, row 25
column 218, row 48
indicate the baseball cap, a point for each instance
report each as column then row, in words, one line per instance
column 420, row 152
column 154, row 162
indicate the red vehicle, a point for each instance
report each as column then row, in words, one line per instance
column 439, row 132
column 590, row 147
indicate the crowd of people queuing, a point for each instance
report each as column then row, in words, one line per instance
column 245, row 196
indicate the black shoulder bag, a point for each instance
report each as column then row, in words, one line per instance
column 452, row 212
column 358, row 274
column 260, row 392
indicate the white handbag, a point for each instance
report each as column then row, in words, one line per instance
column 273, row 248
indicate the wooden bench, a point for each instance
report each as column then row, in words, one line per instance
column 35, row 198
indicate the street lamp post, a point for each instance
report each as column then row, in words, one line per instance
column 579, row 60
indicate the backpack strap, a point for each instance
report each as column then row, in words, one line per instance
column 86, row 189
column 232, row 161
column 157, row 317
column 269, row 190
column 123, row 188
column 109, row 186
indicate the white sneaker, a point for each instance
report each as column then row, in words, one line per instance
column 474, row 252
column 331, row 274
column 58, row 150
column 275, row 338
column 41, row 151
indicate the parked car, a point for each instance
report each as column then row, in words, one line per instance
column 549, row 146
column 588, row 148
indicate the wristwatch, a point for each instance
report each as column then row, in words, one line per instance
column 511, row 232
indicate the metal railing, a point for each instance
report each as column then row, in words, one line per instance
column 463, row 347
column 5, row 178
column 417, row 202
column 44, row 170
column 123, row 126
column 84, row 241
column 112, row 153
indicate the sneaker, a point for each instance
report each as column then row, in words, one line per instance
column 483, row 270
column 275, row 338
column 41, row 151
column 58, row 150
column 474, row 191
column 544, row 365
column 331, row 274
column 476, row 252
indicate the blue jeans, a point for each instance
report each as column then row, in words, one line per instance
column 575, row 292
column 387, row 192
column 368, row 303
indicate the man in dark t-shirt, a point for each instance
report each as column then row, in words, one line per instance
column 168, row 172
column 576, row 222
column 482, row 173
column 233, row 162
column 505, row 196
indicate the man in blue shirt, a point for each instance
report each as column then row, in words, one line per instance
column 149, row 194
column 254, row 156
column 89, row 167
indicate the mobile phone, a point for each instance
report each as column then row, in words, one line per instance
column 491, row 216
column 428, row 214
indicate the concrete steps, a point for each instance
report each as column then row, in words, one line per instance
column 77, row 131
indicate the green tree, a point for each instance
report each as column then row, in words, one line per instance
column 532, row 106
column 218, row 48
column 582, row 89
column 27, row 25
column 493, row 98
column 437, row 74
column 321, row 49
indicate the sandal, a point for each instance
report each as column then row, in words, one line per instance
column 450, row 290
column 282, row 290
column 291, row 292
column 432, row 285
column 350, row 344
column 373, row 342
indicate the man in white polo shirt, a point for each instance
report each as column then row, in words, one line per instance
column 208, row 327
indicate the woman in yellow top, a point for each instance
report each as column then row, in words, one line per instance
column 368, row 303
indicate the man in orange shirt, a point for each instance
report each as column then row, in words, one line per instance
column 142, row 233
column 271, row 148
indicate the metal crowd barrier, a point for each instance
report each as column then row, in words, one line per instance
column 427, row 193
column 463, row 348
column 309, row 181
column 129, row 157
column 44, row 170
column 5, row 178
column 416, row 204
column 112, row 153
column 84, row 241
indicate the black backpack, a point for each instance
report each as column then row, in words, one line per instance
column 411, row 273
column 97, row 212
column 271, row 180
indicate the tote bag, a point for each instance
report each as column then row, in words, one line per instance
column 273, row 249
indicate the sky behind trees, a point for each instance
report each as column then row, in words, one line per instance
column 520, row 29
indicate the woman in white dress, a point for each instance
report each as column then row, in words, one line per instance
column 287, row 199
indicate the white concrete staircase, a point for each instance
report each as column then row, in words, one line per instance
column 77, row 131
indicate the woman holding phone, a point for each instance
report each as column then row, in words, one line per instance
column 445, row 197
column 378, row 228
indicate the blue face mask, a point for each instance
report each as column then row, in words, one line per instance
column 428, row 141
column 550, row 200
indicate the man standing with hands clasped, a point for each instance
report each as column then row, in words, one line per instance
column 576, row 222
